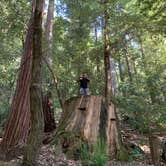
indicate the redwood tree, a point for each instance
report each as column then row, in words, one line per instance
column 37, row 120
column 107, row 51
column 17, row 126
column 48, row 36
column 48, row 110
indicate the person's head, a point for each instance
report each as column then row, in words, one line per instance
column 84, row 74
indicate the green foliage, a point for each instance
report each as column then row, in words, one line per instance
column 135, row 154
column 93, row 154
column 123, row 154
column 5, row 164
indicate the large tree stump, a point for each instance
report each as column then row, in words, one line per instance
column 85, row 119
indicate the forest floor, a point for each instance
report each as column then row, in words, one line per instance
column 47, row 155
column 139, row 146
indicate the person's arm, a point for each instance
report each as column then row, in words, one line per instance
column 79, row 79
column 88, row 79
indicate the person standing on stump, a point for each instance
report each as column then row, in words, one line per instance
column 84, row 84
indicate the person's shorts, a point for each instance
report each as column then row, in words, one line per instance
column 84, row 91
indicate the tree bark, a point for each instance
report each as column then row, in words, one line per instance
column 81, row 125
column 49, row 122
column 48, row 110
column 37, row 121
column 107, row 50
column 113, row 145
column 112, row 135
column 85, row 120
column 135, row 70
column 113, row 74
column 48, row 33
column 56, row 82
column 163, row 156
column 127, row 60
column 154, row 150
column 128, row 66
column 120, row 70
column 17, row 126
column 96, row 42
column 49, row 27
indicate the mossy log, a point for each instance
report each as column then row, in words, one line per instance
column 85, row 119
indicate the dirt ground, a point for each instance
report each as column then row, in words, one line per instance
column 47, row 155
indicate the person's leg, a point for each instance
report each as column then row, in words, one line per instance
column 81, row 91
column 87, row 91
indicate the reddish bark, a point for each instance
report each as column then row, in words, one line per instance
column 48, row 110
column 35, row 136
column 17, row 126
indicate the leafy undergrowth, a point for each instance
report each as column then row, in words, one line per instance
column 97, row 156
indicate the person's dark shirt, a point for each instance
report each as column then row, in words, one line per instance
column 84, row 82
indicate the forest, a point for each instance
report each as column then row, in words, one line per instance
column 83, row 83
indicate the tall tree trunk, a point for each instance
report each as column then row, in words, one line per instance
column 96, row 38
column 120, row 70
column 154, row 149
column 135, row 69
column 113, row 74
column 37, row 121
column 48, row 59
column 128, row 66
column 96, row 41
column 112, row 135
column 56, row 82
column 141, row 47
column 111, row 126
column 126, row 53
column 49, row 122
column 48, row 111
column 49, row 27
column 17, row 126
column 107, row 50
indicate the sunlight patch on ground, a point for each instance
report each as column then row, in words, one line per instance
column 145, row 148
